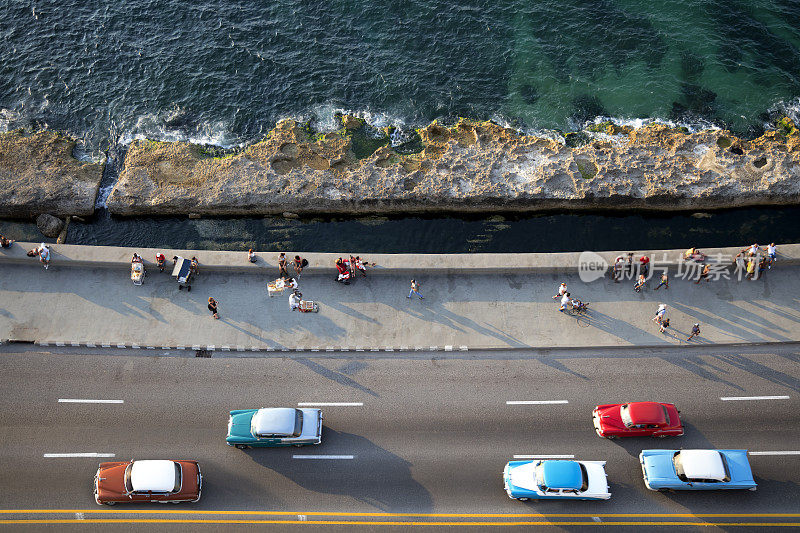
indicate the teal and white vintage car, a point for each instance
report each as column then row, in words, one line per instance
column 274, row 426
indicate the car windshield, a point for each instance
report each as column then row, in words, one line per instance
column 128, row 485
column 539, row 472
column 178, row 472
column 298, row 423
column 626, row 416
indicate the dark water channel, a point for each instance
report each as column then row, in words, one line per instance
column 557, row 232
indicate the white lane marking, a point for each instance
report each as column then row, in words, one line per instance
column 544, row 457
column 331, row 404
column 323, row 456
column 89, row 454
column 79, row 400
column 787, row 452
column 536, row 402
column 737, row 398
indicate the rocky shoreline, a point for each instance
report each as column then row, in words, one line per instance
column 468, row 167
column 39, row 174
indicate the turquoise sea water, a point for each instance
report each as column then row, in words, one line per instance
column 223, row 72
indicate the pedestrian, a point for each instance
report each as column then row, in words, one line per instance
column 361, row 266
column 639, row 285
column 294, row 300
column 299, row 264
column 415, row 290
column 212, row 306
column 565, row 299
column 561, row 290
column 44, row 255
column 194, row 268
column 352, row 265
column 618, row 264
column 4, row 242
column 664, row 281
column 664, row 325
column 644, row 265
column 751, row 268
column 282, row 272
column 629, row 263
column 251, row 256
column 695, row 332
column 704, row 274
column 660, row 313
column 772, row 253
column 160, row 259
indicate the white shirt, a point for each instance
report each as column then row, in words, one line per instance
column 562, row 289
column 771, row 249
column 754, row 249
column 294, row 301
column 564, row 300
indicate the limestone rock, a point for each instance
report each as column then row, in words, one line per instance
column 49, row 225
column 470, row 166
column 39, row 174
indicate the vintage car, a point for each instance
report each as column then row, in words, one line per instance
column 696, row 470
column 556, row 480
column 276, row 426
column 147, row 481
column 637, row 419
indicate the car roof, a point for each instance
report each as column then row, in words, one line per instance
column 647, row 413
column 153, row 475
column 274, row 421
column 702, row 464
column 562, row 475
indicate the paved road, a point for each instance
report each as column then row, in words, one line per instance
column 432, row 435
column 477, row 311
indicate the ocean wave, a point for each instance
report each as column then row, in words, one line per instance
column 177, row 124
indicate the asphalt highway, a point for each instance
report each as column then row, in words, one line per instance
column 413, row 437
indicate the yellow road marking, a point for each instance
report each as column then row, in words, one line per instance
column 393, row 523
column 423, row 515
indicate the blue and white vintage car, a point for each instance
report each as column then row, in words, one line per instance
column 696, row 470
column 275, row 426
column 556, row 480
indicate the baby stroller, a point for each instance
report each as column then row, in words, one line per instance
column 182, row 271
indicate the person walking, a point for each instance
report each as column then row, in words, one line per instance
column 664, row 325
column 44, row 255
column 212, row 306
column 772, row 254
column 664, row 281
column 695, row 332
column 644, row 265
column 415, row 290
column 565, row 300
column 195, row 266
column 704, row 274
column 561, row 290
column 660, row 313
column 639, row 285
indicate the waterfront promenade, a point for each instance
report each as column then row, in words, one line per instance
column 471, row 302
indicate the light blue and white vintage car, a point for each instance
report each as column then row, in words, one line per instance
column 696, row 470
column 556, row 480
column 272, row 427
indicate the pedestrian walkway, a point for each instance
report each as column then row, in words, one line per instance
column 101, row 305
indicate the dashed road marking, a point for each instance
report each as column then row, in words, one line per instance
column 786, row 452
column 544, row 457
column 536, row 402
column 330, row 404
column 80, row 454
column 81, row 400
column 323, row 456
column 737, row 398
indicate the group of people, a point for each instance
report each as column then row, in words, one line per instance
column 347, row 268
column 4, row 242
column 754, row 260
column 567, row 301
column 43, row 252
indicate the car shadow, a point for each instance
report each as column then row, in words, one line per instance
column 374, row 476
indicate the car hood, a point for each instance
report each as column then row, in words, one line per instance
column 111, row 479
column 240, row 423
column 609, row 416
column 658, row 464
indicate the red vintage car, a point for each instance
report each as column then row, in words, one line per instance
column 147, row 481
column 637, row 419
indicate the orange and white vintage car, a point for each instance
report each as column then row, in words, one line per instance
column 147, row 481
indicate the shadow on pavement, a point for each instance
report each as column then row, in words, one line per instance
column 374, row 476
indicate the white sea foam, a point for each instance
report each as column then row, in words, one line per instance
column 157, row 127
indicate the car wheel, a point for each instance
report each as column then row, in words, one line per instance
column 241, row 446
column 297, row 445
column 664, row 490
column 660, row 436
column 110, row 503
column 611, row 437
column 522, row 499
column 752, row 488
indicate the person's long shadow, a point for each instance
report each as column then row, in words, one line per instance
column 374, row 476
column 335, row 376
